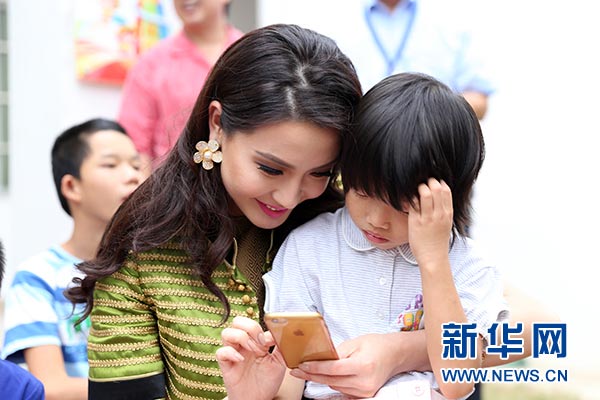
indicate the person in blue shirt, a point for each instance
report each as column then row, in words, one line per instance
column 385, row 37
column 15, row 382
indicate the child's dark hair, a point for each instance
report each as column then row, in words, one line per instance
column 71, row 148
column 410, row 127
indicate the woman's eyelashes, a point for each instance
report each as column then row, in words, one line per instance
column 273, row 171
column 269, row 170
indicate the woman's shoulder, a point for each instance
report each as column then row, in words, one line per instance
column 168, row 261
column 172, row 247
column 167, row 257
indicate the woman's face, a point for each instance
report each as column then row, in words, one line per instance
column 269, row 171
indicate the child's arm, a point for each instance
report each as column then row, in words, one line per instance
column 249, row 370
column 430, row 225
column 47, row 364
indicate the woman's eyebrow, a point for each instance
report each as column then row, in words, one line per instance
column 284, row 164
column 275, row 159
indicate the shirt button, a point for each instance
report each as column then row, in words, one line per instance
column 246, row 299
column 380, row 315
column 382, row 281
column 419, row 389
column 250, row 311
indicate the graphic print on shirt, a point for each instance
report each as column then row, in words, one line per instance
column 412, row 317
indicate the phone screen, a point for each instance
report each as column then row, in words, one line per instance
column 301, row 337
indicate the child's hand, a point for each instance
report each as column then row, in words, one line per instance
column 430, row 223
column 365, row 364
column 249, row 370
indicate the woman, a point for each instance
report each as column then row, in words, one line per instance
column 186, row 252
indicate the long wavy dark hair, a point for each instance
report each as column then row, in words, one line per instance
column 272, row 74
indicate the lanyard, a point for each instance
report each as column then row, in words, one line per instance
column 392, row 62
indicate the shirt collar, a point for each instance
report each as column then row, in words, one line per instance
column 372, row 5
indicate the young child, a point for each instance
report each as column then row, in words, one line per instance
column 396, row 258
column 15, row 382
column 95, row 168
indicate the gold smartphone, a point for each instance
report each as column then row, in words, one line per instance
column 301, row 336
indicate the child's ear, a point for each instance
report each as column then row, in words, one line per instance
column 214, row 120
column 70, row 188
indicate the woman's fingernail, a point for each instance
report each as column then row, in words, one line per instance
column 261, row 338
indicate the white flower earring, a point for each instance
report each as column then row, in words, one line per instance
column 208, row 154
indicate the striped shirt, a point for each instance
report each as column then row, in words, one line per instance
column 38, row 314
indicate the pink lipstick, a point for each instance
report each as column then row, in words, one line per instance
column 271, row 211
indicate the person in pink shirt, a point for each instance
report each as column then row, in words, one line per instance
column 161, row 88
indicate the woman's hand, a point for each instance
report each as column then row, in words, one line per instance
column 249, row 370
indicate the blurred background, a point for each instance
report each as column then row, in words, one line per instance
column 536, row 203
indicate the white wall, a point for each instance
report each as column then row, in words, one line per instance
column 536, row 199
column 45, row 98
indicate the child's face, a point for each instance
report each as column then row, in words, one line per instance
column 108, row 175
column 270, row 171
column 381, row 224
